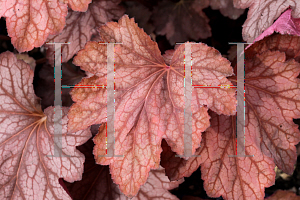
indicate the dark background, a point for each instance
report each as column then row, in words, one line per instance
column 224, row 30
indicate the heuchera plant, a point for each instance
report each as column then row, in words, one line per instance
column 149, row 101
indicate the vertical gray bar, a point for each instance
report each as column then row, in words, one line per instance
column 240, row 126
column 110, row 101
column 187, row 102
column 57, row 136
column 240, row 117
column 57, row 103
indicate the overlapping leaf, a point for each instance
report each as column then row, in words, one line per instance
column 30, row 22
column 96, row 182
column 231, row 177
column 29, row 168
column 272, row 100
column 288, row 44
column 234, row 177
column 285, row 24
column 177, row 167
column 262, row 14
column 149, row 99
column 79, row 27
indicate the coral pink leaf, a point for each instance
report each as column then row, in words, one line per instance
column 77, row 5
column 234, row 177
column 97, row 184
column 272, row 101
column 149, row 99
column 283, row 195
column 27, row 169
column 288, row 44
column 184, row 20
column 262, row 14
column 79, row 27
column 30, row 22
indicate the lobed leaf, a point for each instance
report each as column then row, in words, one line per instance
column 272, row 101
column 29, row 168
column 234, row 177
column 29, row 23
column 149, row 99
